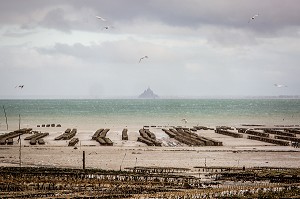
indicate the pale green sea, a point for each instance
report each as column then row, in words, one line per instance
column 96, row 113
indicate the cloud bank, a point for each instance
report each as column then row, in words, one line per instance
column 195, row 48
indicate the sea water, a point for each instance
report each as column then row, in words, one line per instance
column 104, row 113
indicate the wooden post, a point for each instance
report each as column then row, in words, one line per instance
column 122, row 162
column 5, row 118
column 20, row 155
column 83, row 160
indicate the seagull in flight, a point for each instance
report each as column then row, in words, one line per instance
column 252, row 18
column 143, row 58
column 107, row 27
column 184, row 120
column 280, row 85
column 101, row 18
column 20, row 86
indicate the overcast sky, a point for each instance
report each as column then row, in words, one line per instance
column 59, row 48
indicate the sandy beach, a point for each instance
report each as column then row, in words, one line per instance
column 121, row 170
column 235, row 152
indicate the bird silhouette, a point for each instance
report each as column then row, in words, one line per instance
column 107, row 27
column 20, row 86
column 143, row 58
column 280, row 85
column 101, row 18
column 252, row 18
column 184, row 120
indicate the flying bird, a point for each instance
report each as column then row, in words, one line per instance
column 101, row 18
column 280, row 85
column 20, row 86
column 107, row 27
column 143, row 58
column 252, row 18
column 184, row 120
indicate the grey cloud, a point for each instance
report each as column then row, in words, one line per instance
column 19, row 12
column 55, row 19
column 77, row 50
column 18, row 33
column 66, row 19
column 194, row 47
column 274, row 14
column 116, row 52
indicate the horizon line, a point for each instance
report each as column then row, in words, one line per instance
column 160, row 97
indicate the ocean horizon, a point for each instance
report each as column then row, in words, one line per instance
column 88, row 97
column 122, row 113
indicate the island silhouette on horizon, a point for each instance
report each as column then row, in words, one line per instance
column 148, row 94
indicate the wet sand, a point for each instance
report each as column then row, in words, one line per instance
column 236, row 152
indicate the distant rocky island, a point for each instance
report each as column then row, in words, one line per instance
column 148, row 94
